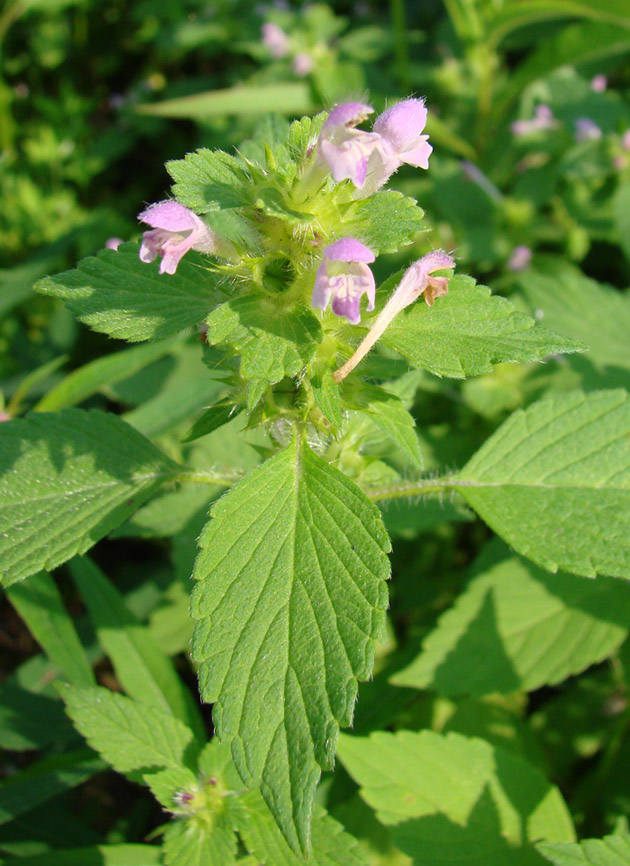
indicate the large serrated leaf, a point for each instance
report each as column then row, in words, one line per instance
column 469, row 330
column 67, row 480
column 290, row 599
column 517, row 627
column 273, row 343
column 209, row 180
column 130, row 735
column 554, row 482
column 117, row 294
column 456, row 799
column 609, row 851
column 332, row 846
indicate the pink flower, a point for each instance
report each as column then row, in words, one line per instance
column 417, row 280
column 4, row 416
column 520, row 258
column 586, row 130
column 275, row 39
column 625, row 140
column 542, row 120
column 400, row 128
column 174, row 231
column 599, row 83
column 347, row 150
column 345, row 275
column 302, row 64
column 113, row 243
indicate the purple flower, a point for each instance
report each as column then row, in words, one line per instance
column 345, row 275
column 275, row 39
column 417, row 280
column 625, row 140
column 302, row 64
column 599, row 83
column 347, row 150
column 542, row 120
column 520, row 258
column 113, row 243
column 400, row 128
column 586, row 130
column 174, row 231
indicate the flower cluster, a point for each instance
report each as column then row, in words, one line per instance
column 348, row 153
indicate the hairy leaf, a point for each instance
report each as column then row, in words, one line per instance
column 290, row 600
column 385, row 222
column 67, row 479
column 516, row 627
column 117, row 294
column 554, row 482
column 468, row 330
column 388, row 413
column 209, row 180
column 128, row 734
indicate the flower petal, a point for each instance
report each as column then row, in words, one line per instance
column 171, row 216
column 402, row 124
column 349, row 250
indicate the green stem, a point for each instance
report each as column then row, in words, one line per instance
column 406, row 489
column 215, row 479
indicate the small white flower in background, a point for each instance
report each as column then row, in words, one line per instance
column 542, row 120
column 520, row 258
column 275, row 39
column 599, row 83
column 586, row 130
column 302, row 64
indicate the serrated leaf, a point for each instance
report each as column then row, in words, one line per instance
column 142, row 668
column 128, row 734
column 385, row 222
column 332, row 846
column 554, row 482
column 290, row 599
column 445, row 795
column 609, row 851
column 273, row 343
column 40, row 605
column 468, row 330
column 209, row 180
column 187, row 843
column 388, row 413
column 67, row 480
column 562, row 297
column 117, row 294
column 517, row 627
column 165, row 785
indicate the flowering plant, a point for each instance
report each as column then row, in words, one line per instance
column 273, row 262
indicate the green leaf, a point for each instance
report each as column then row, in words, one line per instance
column 40, row 605
column 273, row 343
column 87, row 380
column 209, row 180
column 468, row 330
column 332, row 846
column 289, row 97
column 142, row 668
column 67, row 480
column 609, row 851
column 44, row 780
column 445, row 795
column 327, row 397
column 213, row 418
column 554, row 482
column 563, row 298
column 520, row 13
column 192, row 844
column 117, row 294
column 100, row 855
column 621, row 203
column 385, row 221
column 517, row 627
column 165, row 785
column 388, row 413
column 290, row 600
column 128, row 734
